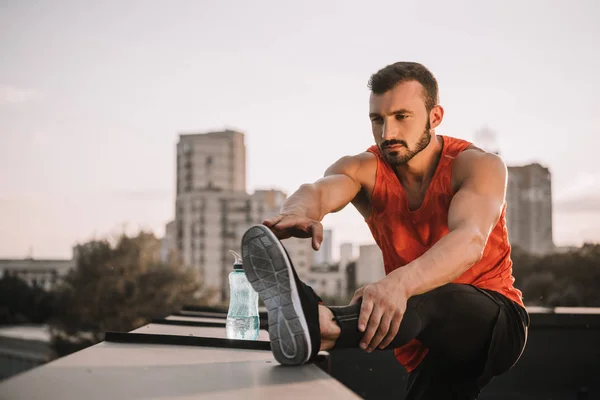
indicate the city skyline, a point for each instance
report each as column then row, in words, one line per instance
column 92, row 100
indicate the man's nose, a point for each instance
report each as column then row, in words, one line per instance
column 389, row 131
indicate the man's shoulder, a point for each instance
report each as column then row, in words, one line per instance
column 356, row 161
column 359, row 166
column 475, row 161
column 473, row 155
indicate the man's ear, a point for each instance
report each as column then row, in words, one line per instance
column 436, row 115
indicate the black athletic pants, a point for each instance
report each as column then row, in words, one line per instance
column 472, row 335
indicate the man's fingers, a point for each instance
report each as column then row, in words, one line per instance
column 382, row 331
column 372, row 327
column 288, row 225
column 286, row 221
column 270, row 222
column 357, row 295
column 393, row 331
column 365, row 313
column 317, row 235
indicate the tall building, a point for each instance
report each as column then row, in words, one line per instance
column 369, row 266
column 168, row 243
column 209, row 224
column 346, row 254
column 211, row 161
column 213, row 209
column 323, row 256
column 529, row 208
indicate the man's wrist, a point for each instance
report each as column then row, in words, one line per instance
column 406, row 279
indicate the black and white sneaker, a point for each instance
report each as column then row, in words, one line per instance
column 292, row 306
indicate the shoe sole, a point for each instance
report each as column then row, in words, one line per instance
column 269, row 271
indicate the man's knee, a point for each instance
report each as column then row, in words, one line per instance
column 440, row 297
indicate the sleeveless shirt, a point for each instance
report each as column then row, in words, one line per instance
column 404, row 235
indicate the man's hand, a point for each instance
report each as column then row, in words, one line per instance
column 382, row 309
column 292, row 225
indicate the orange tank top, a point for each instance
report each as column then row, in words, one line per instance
column 404, row 235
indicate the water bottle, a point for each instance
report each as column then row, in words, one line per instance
column 242, row 317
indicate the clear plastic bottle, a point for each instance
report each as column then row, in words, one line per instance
column 242, row 317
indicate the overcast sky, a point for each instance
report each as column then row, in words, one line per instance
column 94, row 94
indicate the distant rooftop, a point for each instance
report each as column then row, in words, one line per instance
column 225, row 132
column 33, row 264
column 530, row 166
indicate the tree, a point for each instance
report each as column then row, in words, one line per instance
column 21, row 304
column 566, row 279
column 119, row 288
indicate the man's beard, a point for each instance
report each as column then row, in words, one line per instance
column 395, row 158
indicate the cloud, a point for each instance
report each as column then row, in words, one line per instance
column 15, row 95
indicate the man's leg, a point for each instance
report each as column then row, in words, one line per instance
column 456, row 321
column 472, row 335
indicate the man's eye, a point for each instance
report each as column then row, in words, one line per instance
column 400, row 117
column 377, row 120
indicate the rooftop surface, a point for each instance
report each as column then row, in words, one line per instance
column 178, row 370
column 186, row 356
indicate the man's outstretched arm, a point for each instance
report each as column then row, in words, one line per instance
column 302, row 212
column 474, row 211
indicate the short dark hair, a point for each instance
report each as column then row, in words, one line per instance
column 390, row 76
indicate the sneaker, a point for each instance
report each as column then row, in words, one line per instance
column 292, row 306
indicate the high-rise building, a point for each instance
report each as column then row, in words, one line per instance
column 212, row 206
column 346, row 254
column 168, row 243
column 213, row 209
column 323, row 256
column 529, row 208
column 369, row 266
column 211, row 161
column 209, row 224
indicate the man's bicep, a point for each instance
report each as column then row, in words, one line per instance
column 340, row 184
column 479, row 201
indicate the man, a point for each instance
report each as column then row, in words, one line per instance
column 436, row 207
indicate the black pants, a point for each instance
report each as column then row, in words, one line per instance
column 472, row 335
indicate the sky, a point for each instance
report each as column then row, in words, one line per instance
column 93, row 96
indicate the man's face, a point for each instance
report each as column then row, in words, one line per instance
column 400, row 122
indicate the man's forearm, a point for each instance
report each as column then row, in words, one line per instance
column 445, row 261
column 306, row 201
